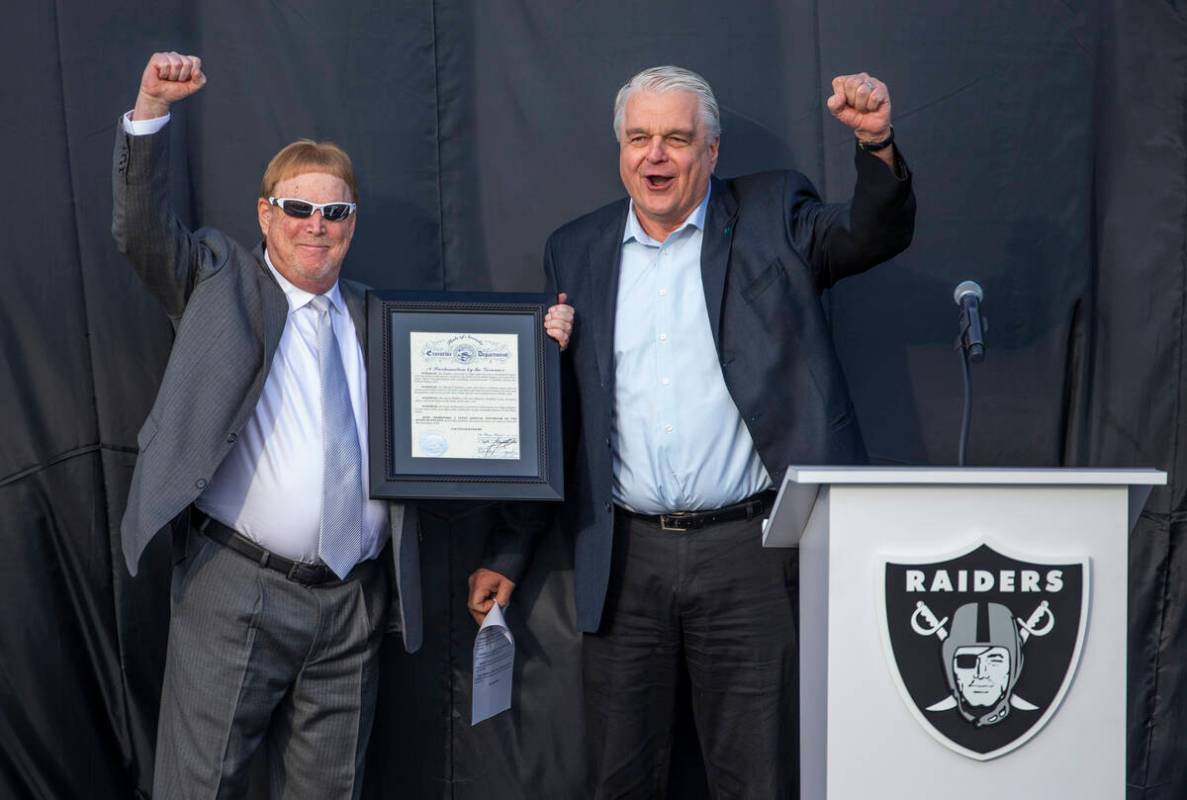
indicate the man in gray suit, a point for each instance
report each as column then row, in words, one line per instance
column 255, row 451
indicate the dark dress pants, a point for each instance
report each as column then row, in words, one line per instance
column 715, row 599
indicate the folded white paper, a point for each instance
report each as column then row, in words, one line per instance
column 494, row 658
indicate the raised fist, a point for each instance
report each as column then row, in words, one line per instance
column 167, row 78
column 862, row 103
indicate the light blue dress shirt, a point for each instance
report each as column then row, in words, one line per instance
column 679, row 441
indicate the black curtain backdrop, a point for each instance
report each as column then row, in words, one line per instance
column 1049, row 144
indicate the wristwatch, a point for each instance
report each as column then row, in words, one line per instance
column 873, row 147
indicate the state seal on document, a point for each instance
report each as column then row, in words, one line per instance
column 984, row 646
column 464, row 348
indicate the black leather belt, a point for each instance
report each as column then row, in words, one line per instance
column 681, row 521
column 296, row 571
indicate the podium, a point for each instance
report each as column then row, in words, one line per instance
column 962, row 631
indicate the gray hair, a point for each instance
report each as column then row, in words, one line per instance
column 670, row 79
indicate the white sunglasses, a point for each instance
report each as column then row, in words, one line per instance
column 330, row 212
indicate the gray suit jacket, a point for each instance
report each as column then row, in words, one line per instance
column 228, row 313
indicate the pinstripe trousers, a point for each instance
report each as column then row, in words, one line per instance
column 255, row 657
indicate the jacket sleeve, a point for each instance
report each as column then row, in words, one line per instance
column 512, row 543
column 169, row 258
column 843, row 239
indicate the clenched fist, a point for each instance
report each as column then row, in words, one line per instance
column 167, row 78
column 862, row 103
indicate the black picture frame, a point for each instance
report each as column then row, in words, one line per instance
column 394, row 320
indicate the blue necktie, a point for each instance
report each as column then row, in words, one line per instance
column 340, row 544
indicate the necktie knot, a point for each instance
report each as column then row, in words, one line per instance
column 321, row 304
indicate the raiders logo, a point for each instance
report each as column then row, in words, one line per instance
column 983, row 646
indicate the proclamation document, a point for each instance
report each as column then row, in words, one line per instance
column 464, row 395
column 494, row 661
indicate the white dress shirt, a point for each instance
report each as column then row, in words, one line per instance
column 269, row 487
column 679, row 442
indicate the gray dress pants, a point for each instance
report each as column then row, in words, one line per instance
column 254, row 656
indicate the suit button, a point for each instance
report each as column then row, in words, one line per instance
column 608, row 442
column 232, row 438
column 609, row 507
column 200, row 483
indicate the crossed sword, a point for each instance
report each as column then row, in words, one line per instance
column 935, row 627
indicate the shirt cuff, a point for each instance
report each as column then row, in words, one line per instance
column 143, row 127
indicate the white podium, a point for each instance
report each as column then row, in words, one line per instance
column 962, row 631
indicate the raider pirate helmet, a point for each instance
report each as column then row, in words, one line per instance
column 982, row 658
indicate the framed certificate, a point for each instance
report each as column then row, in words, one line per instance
column 463, row 397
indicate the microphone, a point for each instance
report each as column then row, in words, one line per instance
column 968, row 296
column 971, row 344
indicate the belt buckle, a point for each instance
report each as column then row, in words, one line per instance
column 670, row 522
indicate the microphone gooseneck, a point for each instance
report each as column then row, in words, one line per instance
column 971, row 344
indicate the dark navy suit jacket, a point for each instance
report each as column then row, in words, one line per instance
column 770, row 247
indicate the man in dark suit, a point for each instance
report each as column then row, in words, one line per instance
column 702, row 366
column 255, row 451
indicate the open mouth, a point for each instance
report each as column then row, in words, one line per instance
column 658, row 181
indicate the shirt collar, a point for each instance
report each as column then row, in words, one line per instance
column 299, row 298
column 695, row 219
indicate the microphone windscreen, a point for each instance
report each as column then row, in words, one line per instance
column 966, row 288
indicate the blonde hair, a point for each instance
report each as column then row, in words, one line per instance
column 306, row 155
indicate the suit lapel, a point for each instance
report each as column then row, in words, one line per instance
column 274, row 307
column 715, row 251
column 605, row 262
column 356, row 304
column 269, row 321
